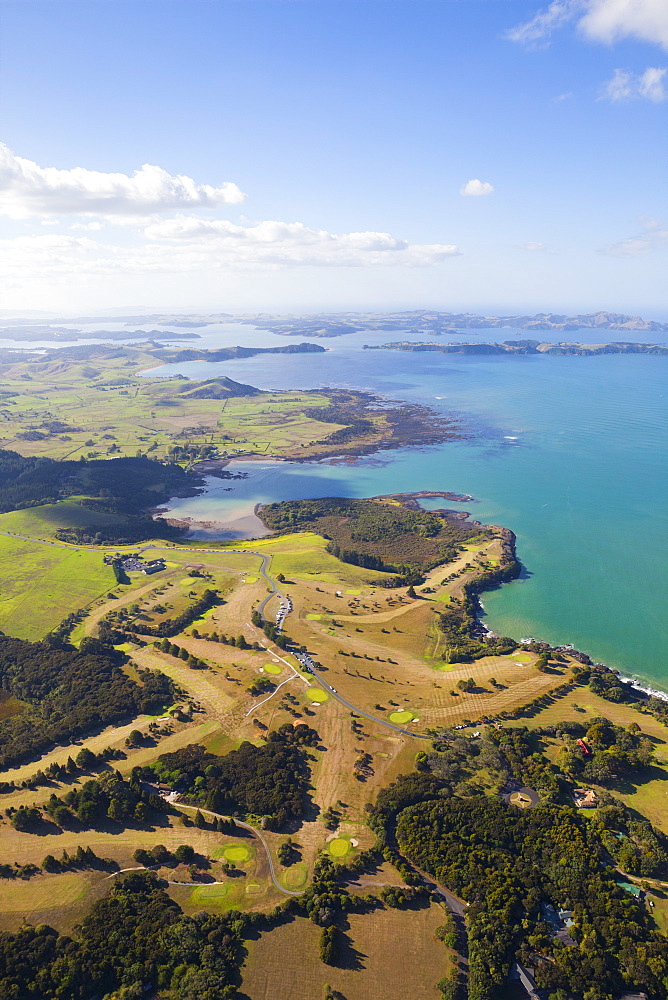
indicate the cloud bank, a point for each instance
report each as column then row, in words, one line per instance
column 26, row 189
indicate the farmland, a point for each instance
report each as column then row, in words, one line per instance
column 41, row 584
column 63, row 407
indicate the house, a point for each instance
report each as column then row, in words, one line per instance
column 560, row 922
column 585, row 798
column 518, row 974
column 133, row 564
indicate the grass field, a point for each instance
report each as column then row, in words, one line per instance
column 42, row 584
column 284, row 964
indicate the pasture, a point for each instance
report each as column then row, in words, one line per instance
column 66, row 409
column 283, row 964
column 42, row 584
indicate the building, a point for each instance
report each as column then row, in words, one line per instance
column 585, row 798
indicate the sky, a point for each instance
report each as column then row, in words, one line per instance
column 495, row 156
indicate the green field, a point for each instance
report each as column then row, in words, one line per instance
column 42, row 584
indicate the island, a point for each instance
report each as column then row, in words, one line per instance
column 523, row 347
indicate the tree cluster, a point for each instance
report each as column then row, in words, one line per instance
column 67, row 693
column 268, row 780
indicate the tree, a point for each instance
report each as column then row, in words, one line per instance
column 86, row 758
column 199, row 821
column 116, row 810
column 329, row 945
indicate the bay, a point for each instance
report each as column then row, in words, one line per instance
column 568, row 452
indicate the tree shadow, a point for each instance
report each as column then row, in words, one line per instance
column 349, row 956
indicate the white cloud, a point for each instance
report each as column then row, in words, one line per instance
column 187, row 246
column 475, row 188
column 26, row 189
column 637, row 246
column 627, row 86
column 601, row 20
column 611, row 20
column 276, row 243
column 534, row 247
column 546, row 21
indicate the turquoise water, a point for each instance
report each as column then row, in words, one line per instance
column 568, row 452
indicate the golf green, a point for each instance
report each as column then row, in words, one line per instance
column 317, row 694
column 271, row 668
column 236, row 852
column 339, row 847
column 402, row 716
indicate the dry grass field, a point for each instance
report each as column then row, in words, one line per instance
column 389, row 954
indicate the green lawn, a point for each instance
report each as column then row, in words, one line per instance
column 43, row 521
column 42, row 584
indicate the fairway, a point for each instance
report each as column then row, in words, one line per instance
column 316, row 694
column 402, row 717
column 206, row 896
column 339, row 847
column 41, row 584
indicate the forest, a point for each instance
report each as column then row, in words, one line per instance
column 67, row 693
column 124, row 487
column 136, row 937
column 505, row 862
column 373, row 533
column 509, row 863
column 268, row 780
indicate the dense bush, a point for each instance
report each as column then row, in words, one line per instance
column 134, row 938
column 374, row 535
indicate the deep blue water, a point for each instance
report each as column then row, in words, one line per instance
column 569, row 452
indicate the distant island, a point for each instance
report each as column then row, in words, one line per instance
column 516, row 347
column 56, row 333
column 431, row 323
column 423, row 322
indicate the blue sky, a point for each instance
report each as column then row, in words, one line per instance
column 486, row 155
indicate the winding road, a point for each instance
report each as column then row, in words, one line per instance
column 255, row 833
